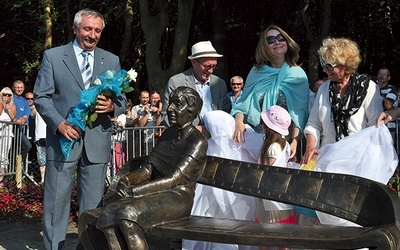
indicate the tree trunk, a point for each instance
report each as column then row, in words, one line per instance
column 218, row 31
column 153, row 27
column 48, row 41
column 180, row 49
column 315, row 40
column 70, row 20
column 126, row 43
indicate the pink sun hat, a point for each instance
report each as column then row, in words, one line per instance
column 277, row 119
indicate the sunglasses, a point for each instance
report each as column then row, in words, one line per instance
column 236, row 84
column 29, row 99
column 272, row 39
column 328, row 66
column 6, row 94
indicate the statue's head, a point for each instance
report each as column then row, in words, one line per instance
column 184, row 106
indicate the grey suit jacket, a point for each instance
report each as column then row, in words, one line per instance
column 219, row 91
column 56, row 90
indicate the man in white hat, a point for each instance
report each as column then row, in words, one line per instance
column 211, row 88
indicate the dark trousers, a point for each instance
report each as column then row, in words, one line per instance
column 26, row 146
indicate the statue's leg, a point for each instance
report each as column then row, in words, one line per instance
column 134, row 235
column 112, row 238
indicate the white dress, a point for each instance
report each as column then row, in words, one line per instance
column 273, row 211
column 349, row 155
column 219, row 203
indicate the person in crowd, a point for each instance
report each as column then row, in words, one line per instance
column 164, row 182
column 200, row 77
column 8, row 111
column 142, row 111
column 22, row 117
column 31, row 124
column 388, row 91
column 31, row 120
column 156, row 107
column 236, row 93
column 389, row 95
column 274, row 80
column 40, row 143
column 347, row 103
column 56, row 90
column 124, row 120
column 313, row 92
column 145, row 118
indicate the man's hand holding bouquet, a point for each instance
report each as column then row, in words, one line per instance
column 96, row 100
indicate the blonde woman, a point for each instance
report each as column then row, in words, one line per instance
column 7, row 113
column 345, row 104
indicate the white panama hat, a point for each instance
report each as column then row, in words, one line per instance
column 203, row 49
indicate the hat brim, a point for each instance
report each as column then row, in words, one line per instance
column 204, row 55
column 272, row 126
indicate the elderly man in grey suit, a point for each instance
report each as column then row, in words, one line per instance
column 211, row 88
column 63, row 74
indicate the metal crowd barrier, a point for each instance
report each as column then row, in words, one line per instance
column 11, row 161
column 132, row 142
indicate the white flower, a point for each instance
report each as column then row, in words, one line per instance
column 97, row 82
column 132, row 75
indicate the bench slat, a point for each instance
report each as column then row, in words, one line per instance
column 277, row 235
column 345, row 196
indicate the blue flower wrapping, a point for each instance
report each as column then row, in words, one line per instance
column 113, row 83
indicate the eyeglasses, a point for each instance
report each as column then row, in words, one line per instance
column 29, row 99
column 6, row 94
column 208, row 67
column 272, row 39
column 236, row 84
column 328, row 66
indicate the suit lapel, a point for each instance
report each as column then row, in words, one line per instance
column 98, row 66
column 72, row 64
column 214, row 92
column 189, row 79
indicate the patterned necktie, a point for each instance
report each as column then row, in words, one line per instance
column 86, row 71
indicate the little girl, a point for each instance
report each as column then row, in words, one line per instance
column 275, row 151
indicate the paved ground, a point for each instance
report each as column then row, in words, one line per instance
column 20, row 235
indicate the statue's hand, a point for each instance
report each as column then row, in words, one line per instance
column 123, row 183
column 127, row 192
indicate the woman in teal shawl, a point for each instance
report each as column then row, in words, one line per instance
column 275, row 79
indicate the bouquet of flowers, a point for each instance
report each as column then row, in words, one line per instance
column 110, row 84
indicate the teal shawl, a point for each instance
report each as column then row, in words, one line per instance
column 266, row 82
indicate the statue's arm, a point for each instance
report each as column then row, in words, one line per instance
column 187, row 170
column 158, row 185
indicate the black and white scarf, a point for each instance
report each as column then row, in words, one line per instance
column 344, row 107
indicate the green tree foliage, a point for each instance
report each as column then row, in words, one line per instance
column 232, row 26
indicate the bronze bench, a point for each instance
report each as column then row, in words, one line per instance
column 372, row 205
